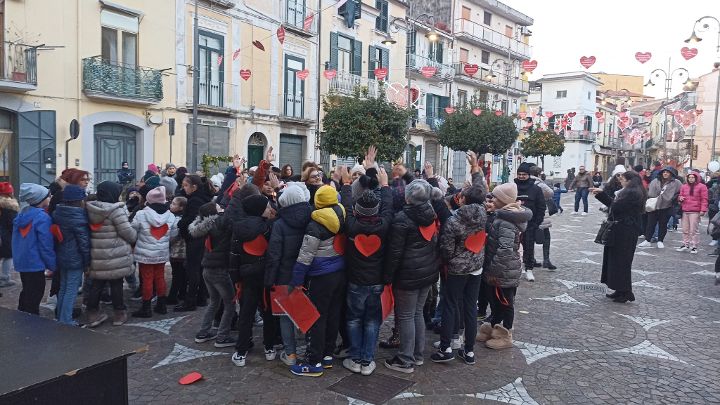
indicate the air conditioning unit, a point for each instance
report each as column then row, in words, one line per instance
column 525, row 31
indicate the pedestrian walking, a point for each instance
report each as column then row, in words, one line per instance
column 694, row 203
column 581, row 184
column 664, row 189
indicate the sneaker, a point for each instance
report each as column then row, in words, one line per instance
column 529, row 276
column 682, row 248
column 419, row 363
column 693, row 251
column 584, row 214
column 342, row 352
column 467, row 357
column 327, row 362
column 352, row 365
column 288, row 359
column 660, row 245
column 367, row 369
column 455, row 343
column 52, row 300
column 713, row 243
column 307, row 370
column 205, row 337
column 225, row 342
column 575, row 213
column 270, row 354
column 396, row 364
column 258, row 319
column 239, row 360
column 442, row 356
column 644, row 244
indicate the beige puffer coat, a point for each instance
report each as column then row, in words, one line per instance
column 111, row 237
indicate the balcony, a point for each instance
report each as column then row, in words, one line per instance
column 214, row 97
column 505, row 11
column 294, row 109
column 116, row 82
column 516, row 86
column 18, row 68
column 575, row 135
column 434, row 120
column 294, row 19
column 346, row 83
column 228, row 4
column 415, row 63
column 484, row 36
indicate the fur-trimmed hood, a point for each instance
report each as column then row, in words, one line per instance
column 9, row 203
column 201, row 226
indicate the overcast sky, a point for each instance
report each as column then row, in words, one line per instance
column 613, row 30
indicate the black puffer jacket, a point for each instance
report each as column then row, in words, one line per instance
column 468, row 222
column 249, row 244
column 196, row 200
column 213, row 230
column 411, row 261
column 503, row 265
column 363, row 231
column 533, row 199
column 285, row 242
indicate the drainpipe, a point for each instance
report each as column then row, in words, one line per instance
column 317, row 94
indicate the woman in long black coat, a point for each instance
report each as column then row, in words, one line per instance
column 626, row 207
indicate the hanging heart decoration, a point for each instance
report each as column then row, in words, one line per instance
column 587, row 61
column 622, row 114
column 678, row 115
column 643, row 57
column 685, row 119
column 477, row 111
column 258, row 45
column 698, row 111
column 307, row 23
column 549, row 114
column 529, row 65
column 470, row 70
column 303, row 74
column 688, row 53
column 647, row 114
column 380, row 73
column 601, row 120
column 557, row 131
column 428, row 71
column 498, row 113
column 237, row 53
column 572, row 114
column 281, row 34
column 599, row 114
column 245, row 74
column 219, row 60
column 330, row 74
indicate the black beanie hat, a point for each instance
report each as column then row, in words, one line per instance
column 524, row 167
column 109, row 192
column 368, row 204
column 255, row 205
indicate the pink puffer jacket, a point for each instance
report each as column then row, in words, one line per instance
column 697, row 201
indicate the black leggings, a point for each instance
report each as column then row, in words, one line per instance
column 33, row 289
column 528, row 242
column 502, row 303
column 659, row 218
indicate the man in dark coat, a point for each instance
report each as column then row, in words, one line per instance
column 532, row 197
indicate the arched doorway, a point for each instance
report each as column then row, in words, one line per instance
column 256, row 149
column 114, row 143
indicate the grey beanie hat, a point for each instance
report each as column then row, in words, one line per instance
column 418, row 192
column 293, row 194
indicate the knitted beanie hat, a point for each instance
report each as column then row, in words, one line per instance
column 156, row 196
column 255, row 205
column 368, row 204
column 505, row 193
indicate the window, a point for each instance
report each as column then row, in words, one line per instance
column 434, row 105
column 487, row 18
column 466, row 13
column 381, row 22
column 461, row 97
column 436, row 52
column 211, row 46
column 294, row 87
column 411, row 36
column 561, row 94
column 588, row 95
column 588, row 123
column 378, row 57
column 345, row 54
column 119, row 38
column 464, row 55
column 485, row 57
column 481, row 96
column 508, row 31
column 295, row 13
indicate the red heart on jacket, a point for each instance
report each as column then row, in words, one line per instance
column 56, row 232
column 476, row 242
column 367, row 244
column 429, row 231
column 25, row 229
column 339, row 243
column 208, row 244
column 95, row 227
column 159, row 231
column 256, row 247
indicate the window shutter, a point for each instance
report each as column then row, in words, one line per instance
column 444, row 102
column 372, row 62
column 381, row 22
column 333, row 50
column 357, row 58
column 439, row 52
column 411, row 42
column 385, row 61
column 429, row 110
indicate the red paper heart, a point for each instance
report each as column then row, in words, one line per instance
column 307, row 23
column 587, row 61
column 380, row 73
column 257, row 246
column 529, row 65
column 643, row 57
column 330, row 74
column 698, row 111
column 601, row 120
column 303, row 74
column 428, row 71
column 245, row 74
column 470, row 70
column 625, row 119
column 648, row 114
column 339, row 243
column 598, row 114
column 498, row 113
column 572, row 114
column 56, row 232
column 25, row 229
column 549, row 114
column 96, row 227
column 258, row 45
column 429, row 231
column 208, row 244
column 622, row 114
column 688, row 53
column 281, row 34
column 522, row 115
column 159, row 231
column 477, row 111
column 190, row 378
column 367, row 244
column 476, row 242
column 449, row 110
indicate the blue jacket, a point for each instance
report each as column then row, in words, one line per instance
column 557, row 193
column 73, row 252
column 34, row 251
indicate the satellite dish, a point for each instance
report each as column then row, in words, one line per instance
column 713, row 166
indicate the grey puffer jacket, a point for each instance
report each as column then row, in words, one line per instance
column 111, row 237
column 666, row 194
column 503, row 265
column 468, row 222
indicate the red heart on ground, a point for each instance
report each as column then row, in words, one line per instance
column 476, row 242
column 477, row 111
column 367, row 244
column 339, row 243
column 330, row 74
column 643, row 57
column 159, row 231
column 688, row 53
column 56, row 232
column 587, row 61
column 449, row 110
column 572, row 114
column 428, row 71
column 190, row 378
column 281, row 34
column 245, row 74
column 598, row 114
column 549, row 114
column 471, row 69
column 25, row 229
column 303, row 74
column 429, row 231
column 380, row 73
column 529, row 65
column 256, row 247
column 95, row 227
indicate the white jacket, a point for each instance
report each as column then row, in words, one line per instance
column 153, row 249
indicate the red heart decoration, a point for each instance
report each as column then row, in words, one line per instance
column 307, row 23
column 208, row 244
column 698, row 111
column 245, row 74
column 476, row 242
column 587, row 61
column 471, row 69
column 159, row 231
column 529, row 65
column 190, row 378
column 258, row 45
column 563, row 123
column 56, row 232
column 339, row 243
column 25, row 229
column 648, row 114
column 380, row 73
column 330, row 74
column 601, row 120
column 367, row 244
column 428, row 71
column 643, row 57
column 303, row 74
column 522, row 115
column 598, row 114
column 572, row 114
column 281, row 34
column 557, row 131
column 622, row 114
column 498, row 112
column 625, row 119
column 477, row 111
column 96, row 227
column 688, row 53
column 678, row 114
column 449, row 110
column 257, row 246
column 429, row 231
column 549, row 114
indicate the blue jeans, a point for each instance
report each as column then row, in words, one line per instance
column 581, row 192
column 287, row 331
column 70, row 280
column 364, row 317
column 5, row 269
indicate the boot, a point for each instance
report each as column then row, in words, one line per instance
column 393, row 341
column 160, row 305
column 186, row 306
column 501, row 338
column 546, row 257
column 95, row 318
column 145, row 310
column 484, row 332
column 119, row 317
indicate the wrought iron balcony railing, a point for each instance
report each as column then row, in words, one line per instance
column 111, row 80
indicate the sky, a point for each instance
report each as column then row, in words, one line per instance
column 613, row 31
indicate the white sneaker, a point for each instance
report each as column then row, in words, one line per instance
column 529, row 275
column 575, row 213
column 290, row 361
column 682, row 248
column 352, row 365
column 367, row 370
column 713, row 243
column 238, row 360
column 693, row 251
column 270, row 354
column 660, row 245
column 584, row 214
column 644, row 244
column 52, row 300
column 455, row 344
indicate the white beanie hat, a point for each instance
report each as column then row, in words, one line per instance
column 294, row 193
column 619, row 169
column 357, row 168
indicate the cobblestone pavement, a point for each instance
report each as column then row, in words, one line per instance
column 573, row 345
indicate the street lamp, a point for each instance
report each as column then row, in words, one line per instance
column 507, row 67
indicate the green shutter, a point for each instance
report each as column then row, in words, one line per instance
column 439, row 52
column 444, row 102
column 333, row 50
column 357, row 58
column 429, row 110
column 411, row 42
column 381, row 22
column 385, row 61
column 372, row 62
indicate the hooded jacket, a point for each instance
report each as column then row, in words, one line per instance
column 665, row 193
column 155, row 226
column 582, row 180
column 458, row 237
column 32, row 242
column 214, row 230
column 533, row 199
column 319, row 253
column 695, row 198
column 111, row 240
column 73, row 249
column 250, row 241
column 8, row 211
column 503, row 264
column 286, row 239
column 411, row 261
